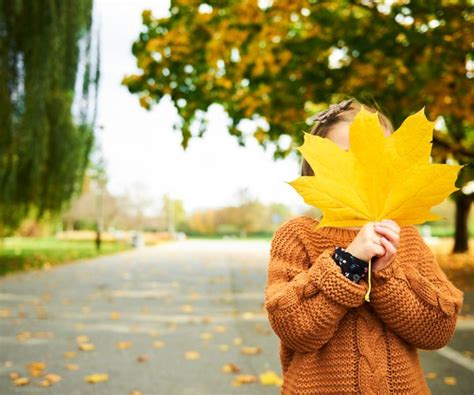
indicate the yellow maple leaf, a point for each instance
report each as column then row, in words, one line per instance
column 379, row 177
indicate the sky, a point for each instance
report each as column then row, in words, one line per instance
column 142, row 151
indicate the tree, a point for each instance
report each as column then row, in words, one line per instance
column 281, row 61
column 49, row 75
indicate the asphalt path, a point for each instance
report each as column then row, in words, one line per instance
column 180, row 318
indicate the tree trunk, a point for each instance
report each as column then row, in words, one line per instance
column 461, row 236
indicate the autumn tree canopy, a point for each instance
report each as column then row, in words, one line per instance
column 280, row 61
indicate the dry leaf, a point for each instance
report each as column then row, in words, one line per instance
column 230, row 368
column 244, row 379
column 53, row 378
column 44, row 383
column 224, row 347
column 123, row 345
column 250, row 350
column 388, row 178
column 72, row 366
column 270, row 378
column 450, row 380
column 82, row 339
column 192, row 355
column 13, row 375
column 158, row 344
column 114, row 315
column 187, row 308
column 206, row 335
column 96, row 378
column 21, row 381
column 86, row 347
column 36, row 368
column 431, row 375
column 143, row 358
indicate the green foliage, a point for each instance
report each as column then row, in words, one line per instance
column 46, row 130
column 20, row 253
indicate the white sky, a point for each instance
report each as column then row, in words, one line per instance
column 141, row 150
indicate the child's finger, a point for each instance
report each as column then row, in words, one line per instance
column 390, row 224
column 389, row 234
column 389, row 247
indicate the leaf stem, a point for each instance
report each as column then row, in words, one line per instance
column 368, row 291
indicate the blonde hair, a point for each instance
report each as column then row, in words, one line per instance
column 344, row 115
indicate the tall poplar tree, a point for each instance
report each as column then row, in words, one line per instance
column 49, row 75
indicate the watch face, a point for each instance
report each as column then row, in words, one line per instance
column 356, row 277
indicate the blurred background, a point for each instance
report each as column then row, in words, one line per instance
column 157, row 137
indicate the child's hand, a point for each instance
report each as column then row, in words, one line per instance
column 367, row 243
column 391, row 237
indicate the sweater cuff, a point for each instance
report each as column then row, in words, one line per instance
column 395, row 269
column 327, row 277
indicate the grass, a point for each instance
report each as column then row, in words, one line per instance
column 21, row 253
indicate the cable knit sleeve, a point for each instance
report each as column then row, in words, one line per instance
column 414, row 297
column 306, row 296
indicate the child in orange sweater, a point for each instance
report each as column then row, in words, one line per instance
column 331, row 341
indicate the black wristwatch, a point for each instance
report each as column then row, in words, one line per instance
column 352, row 267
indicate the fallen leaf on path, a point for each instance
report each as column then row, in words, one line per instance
column 122, row 345
column 96, row 378
column 36, row 368
column 187, row 308
column 21, row 381
column 114, row 315
column 230, row 368
column 82, row 339
column 13, row 375
column 223, row 347
column 270, row 378
column 158, row 344
column 86, row 347
column 70, row 354
column 431, row 375
column 244, row 379
column 250, row 350
column 450, row 380
column 72, row 366
column 23, row 336
column 192, row 355
column 206, row 335
column 53, row 378
column 143, row 358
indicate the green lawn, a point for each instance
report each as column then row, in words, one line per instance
column 22, row 253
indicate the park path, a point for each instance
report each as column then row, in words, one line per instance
column 150, row 312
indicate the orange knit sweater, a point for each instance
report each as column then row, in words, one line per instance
column 334, row 342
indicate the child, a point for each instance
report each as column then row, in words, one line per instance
column 331, row 340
